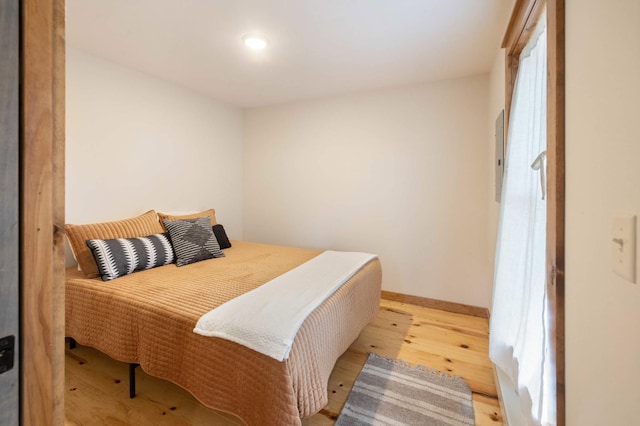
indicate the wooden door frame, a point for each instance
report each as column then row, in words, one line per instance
column 521, row 25
column 42, row 212
column 42, row 197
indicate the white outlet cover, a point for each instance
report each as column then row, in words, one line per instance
column 623, row 247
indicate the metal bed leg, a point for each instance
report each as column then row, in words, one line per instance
column 132, row 380
column 72, row 343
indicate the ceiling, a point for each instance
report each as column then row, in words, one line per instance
column 316, row 47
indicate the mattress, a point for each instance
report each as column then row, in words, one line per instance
column 148, row 318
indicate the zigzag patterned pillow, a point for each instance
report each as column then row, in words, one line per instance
column 122, row 256
column 193, row 240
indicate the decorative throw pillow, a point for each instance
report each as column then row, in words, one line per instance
column 140, row 226
column 211, row 213
column 193, row 240
column 122, row 256
column 221, row 236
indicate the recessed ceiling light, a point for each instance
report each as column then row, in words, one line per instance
column 254, row 42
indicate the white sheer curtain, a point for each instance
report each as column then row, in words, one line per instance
column 518, row 344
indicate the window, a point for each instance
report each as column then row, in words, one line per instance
column 550, row 314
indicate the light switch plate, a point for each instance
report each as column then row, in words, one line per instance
column 623, row 247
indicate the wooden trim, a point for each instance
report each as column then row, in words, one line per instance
column 457, row 308
column 556, row 194
column 524, row 18
column 42, row 213
column 526, row 14
column 58, row 214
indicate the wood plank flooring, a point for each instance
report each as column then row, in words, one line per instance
column 97, row 391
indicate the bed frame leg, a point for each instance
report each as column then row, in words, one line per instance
column 72, row 343
column 132, row 380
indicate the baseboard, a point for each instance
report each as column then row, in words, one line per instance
column 508, row 400
column 503, row 408
column 457, row 308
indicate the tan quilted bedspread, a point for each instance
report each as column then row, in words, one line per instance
column 148, row 318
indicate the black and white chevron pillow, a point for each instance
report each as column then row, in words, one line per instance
column 122, row 256
column 193, row 240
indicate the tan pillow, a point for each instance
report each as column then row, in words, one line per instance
column 139, row 226
column 211, row 213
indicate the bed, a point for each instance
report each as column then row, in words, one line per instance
column 148, row 318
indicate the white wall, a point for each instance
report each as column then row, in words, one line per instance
column 136, row 143
column 602, row 179
column 401, row 173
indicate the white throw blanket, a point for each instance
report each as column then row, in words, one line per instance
column 267, row 319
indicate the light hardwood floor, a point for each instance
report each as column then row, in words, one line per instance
column 97, row 390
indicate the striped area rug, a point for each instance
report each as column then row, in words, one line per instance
column 390, row 392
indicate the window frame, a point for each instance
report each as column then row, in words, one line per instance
column 524, row 17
